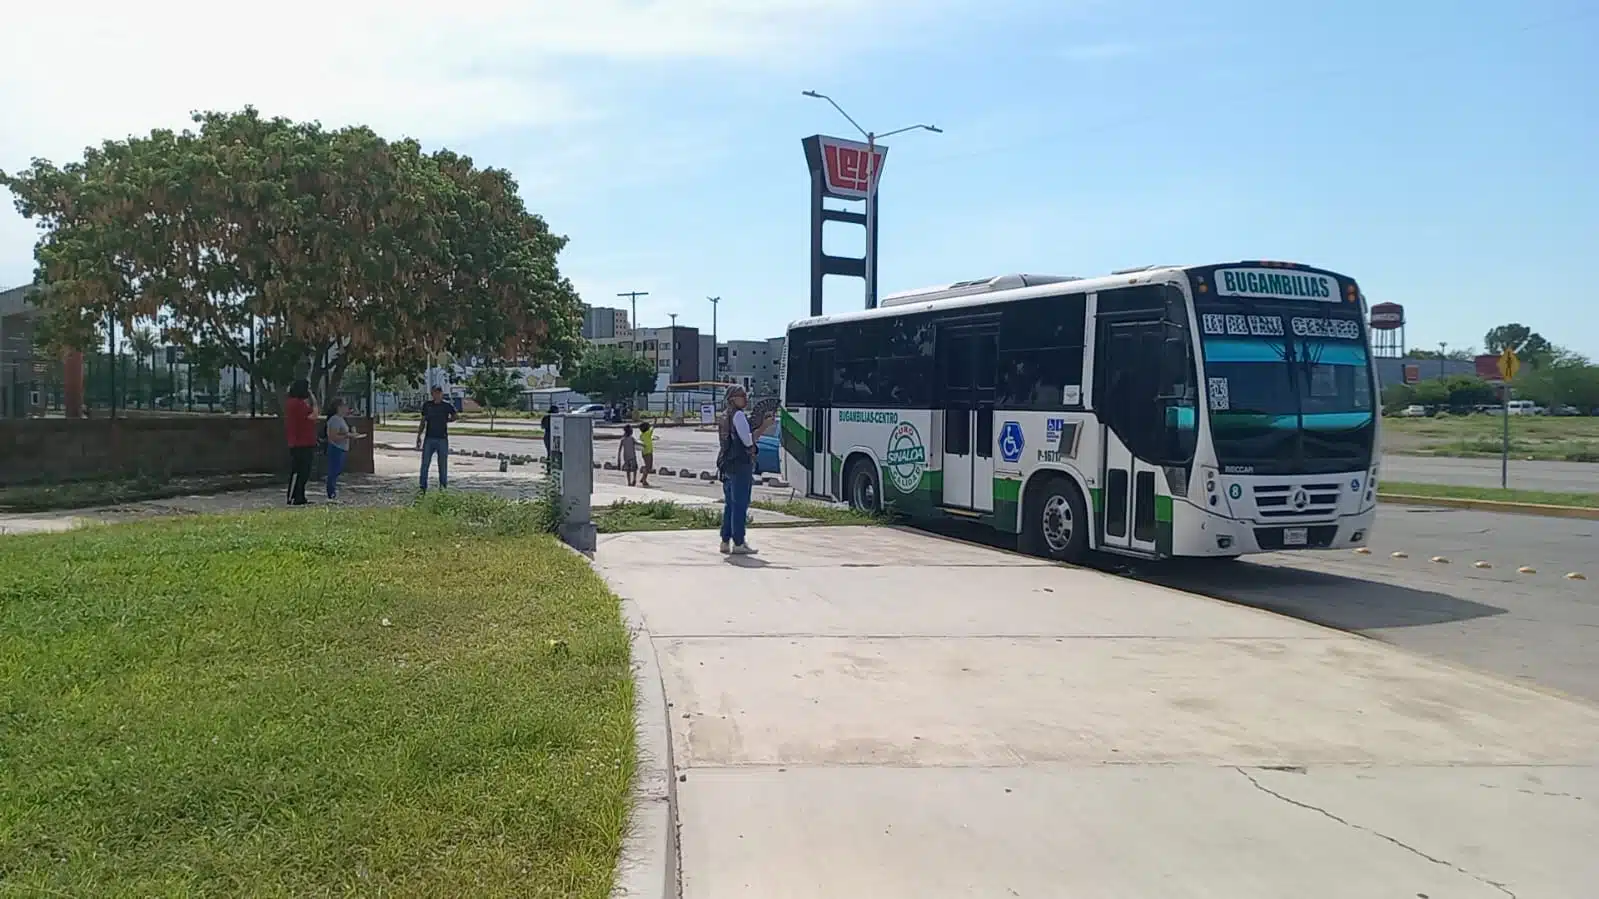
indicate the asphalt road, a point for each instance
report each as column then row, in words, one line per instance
column 1536, row 628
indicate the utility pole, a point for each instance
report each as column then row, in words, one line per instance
column 1443, row 356
column 632, row 323
column 872, row 137
column 716, row 347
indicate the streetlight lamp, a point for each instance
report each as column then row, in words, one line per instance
column 871, row 188
column 716, row 346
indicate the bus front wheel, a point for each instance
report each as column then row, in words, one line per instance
column 1055, row 521
column 861, row 489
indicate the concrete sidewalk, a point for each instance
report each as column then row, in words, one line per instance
column 872, row 712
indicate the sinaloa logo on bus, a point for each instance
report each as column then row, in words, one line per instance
column 906, row 458
column 1273, row 284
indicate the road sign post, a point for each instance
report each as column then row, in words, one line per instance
column 1509, row 365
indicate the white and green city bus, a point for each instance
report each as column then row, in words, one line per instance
column 1211, row 410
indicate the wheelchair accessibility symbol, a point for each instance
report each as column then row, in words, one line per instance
column 1011, row 442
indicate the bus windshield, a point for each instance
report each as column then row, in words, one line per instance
column 1289, row 392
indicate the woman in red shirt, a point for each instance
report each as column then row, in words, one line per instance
column 299, row 423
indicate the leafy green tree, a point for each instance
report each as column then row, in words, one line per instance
column 613, row 374
column 493, row 388
column 327, row 247
column 1534, row 350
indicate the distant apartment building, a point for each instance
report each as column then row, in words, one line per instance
column 675, row 352
column 756, row 364
column 19, row 376
column 603, row 323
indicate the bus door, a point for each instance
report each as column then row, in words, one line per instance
column 967, row 369
column 819, row 368
column 1127, row 381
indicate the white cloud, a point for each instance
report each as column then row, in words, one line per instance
column 76, row 72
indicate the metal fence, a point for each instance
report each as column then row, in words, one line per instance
column 118, row 385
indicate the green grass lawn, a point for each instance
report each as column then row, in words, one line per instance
column 1450, row 491
column 406, row 702
column 1550, row 438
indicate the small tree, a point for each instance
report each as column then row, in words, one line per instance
column 493, row 388
column 613, row 374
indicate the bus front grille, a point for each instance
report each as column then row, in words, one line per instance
column 1296, row 500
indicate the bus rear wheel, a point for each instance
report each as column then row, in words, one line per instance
column 1055, row 521
column 861, row 488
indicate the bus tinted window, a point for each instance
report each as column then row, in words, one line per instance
column 1040, row 363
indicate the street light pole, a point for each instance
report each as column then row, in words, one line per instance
column 632, row 323
column 716, row 346
column 871, row 187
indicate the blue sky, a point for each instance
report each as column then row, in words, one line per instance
column 1439, row 152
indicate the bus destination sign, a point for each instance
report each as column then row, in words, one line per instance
column 1275, row 284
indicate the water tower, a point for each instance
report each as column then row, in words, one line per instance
column 1388, row 330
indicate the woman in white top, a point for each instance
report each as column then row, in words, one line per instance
column 339, row 437
column 736, row 465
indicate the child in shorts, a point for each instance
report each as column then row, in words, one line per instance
column 646, row 436
column 627, row 455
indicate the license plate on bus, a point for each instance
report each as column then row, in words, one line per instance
column 1296, row 536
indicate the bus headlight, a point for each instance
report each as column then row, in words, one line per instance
column 1177, row 480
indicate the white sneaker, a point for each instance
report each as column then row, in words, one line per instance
column 744, row 549
column 726, row 547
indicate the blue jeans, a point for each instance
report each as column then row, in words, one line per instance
column 335, row 468
column 436, row 446
column 736, row 488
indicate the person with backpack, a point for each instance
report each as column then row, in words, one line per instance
column 735, row 464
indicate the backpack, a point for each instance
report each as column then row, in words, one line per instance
column 322, row 436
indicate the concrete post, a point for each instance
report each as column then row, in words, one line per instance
column 572, row 467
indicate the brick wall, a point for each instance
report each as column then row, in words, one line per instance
column 55, row 449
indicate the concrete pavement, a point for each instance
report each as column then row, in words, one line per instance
column 873, row 712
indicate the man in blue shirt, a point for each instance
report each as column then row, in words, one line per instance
column 433, row 436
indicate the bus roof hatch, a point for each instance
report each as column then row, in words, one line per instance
column 968, row 288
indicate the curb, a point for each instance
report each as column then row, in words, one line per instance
column 1491, row 505
column 647, row 866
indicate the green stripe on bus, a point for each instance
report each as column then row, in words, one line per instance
column 796, row 439
column 1163, row 509
column 1007, row 505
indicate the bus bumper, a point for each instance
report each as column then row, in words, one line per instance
column 1218, row 535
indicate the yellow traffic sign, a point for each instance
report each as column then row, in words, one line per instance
column 1509, row 364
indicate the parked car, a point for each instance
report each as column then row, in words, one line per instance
column 768, row 459
column 1413, row 411
column 595, row 411
column 1525, row 407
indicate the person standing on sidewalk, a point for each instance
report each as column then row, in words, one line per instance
column 299, row 425
column 433, row 437
column 544, row 425
column 339, row 438
column 736, row 464
column 627, row 454
column 646, row 439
